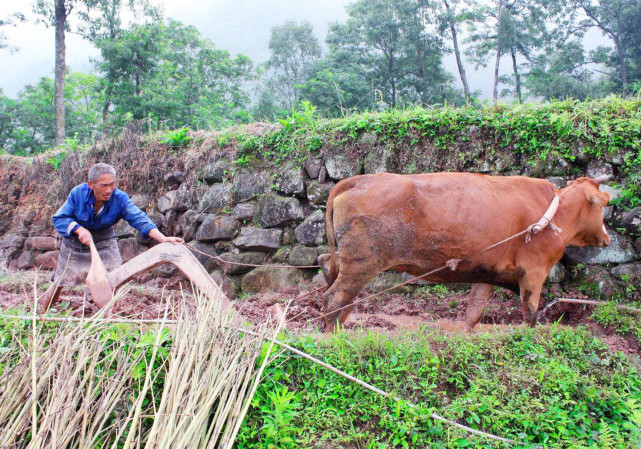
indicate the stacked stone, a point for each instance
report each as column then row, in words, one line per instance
column 252, row 216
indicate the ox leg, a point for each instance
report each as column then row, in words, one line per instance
column 479, row 297
column 338, row 300
column 531, row 287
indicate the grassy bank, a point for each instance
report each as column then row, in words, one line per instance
column 551, row 386
column 559, row 387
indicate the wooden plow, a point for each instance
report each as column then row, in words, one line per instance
column 102, row 284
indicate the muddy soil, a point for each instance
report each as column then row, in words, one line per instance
column 147, row 296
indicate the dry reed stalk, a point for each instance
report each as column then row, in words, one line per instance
column 209, row 371
column 72, row 382
column 75, row 386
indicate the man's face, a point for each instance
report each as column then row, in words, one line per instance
column 103, row 187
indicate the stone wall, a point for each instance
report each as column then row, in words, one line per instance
column 257, row 216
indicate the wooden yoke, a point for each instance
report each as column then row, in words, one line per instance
column 178, row 255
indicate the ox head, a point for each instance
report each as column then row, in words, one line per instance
column 590, row 229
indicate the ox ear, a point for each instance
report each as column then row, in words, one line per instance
column 599, row 199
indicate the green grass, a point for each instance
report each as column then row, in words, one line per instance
column 559, row 387
column 551, row 386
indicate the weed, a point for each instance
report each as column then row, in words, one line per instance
column 177, row 138
column 278, row 413
column 56, row 160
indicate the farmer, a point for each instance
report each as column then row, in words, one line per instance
column 90, row 212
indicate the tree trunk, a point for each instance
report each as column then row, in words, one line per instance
column 105, row 114
column 457, row 53
column 517, row 77
column 622, row 71
column 59, row 86
column 392, row 80
column 495, row 93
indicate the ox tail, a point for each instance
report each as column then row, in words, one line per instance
column 339, row 189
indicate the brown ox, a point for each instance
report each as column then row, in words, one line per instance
column 416, row 223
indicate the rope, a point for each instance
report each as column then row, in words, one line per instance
column 283, row 345
column 589, row 302
column 223, row 261
column 452, row 264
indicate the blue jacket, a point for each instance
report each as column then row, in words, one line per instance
column 78, row 211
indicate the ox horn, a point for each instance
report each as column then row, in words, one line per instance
column 603, row 178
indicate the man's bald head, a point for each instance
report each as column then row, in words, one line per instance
column 99, row 169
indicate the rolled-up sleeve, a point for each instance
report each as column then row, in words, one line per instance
column 135, row 217
column 64, row 220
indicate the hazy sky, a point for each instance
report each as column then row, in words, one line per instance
column 240, row 26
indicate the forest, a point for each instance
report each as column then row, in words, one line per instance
column 388, row 54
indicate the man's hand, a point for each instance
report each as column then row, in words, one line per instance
column 174, row 240
column 83, row 235
column 161, row 238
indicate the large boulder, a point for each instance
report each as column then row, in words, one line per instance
column 619, row 251
column 216, row 197
column 168, row 222
column 312, row 230
column 123, row 230
column 290, row 181
column 385, row 281
column 598, row 168
column 217, row 227
column 278, row 211
column 340, row 166
column 176, row 200
column 11, row 244
column 251, row 238
column 631, row 221
column 263, row 279
column 174, row 179
column 42, row 243
column 237, row 262
column 557, row 274
column 186, row 225
column 377, row 159
column 140, row 200
column 628, row 272
column 317, row 192
column 130, row 248
column 215, row 172
column 303, row 255
column 597, row 282
column 249, row 183
column 47, row 261
column 206, row 260
column 313, row 167
column 225, row 283
column 244, row 211
column 25, row 260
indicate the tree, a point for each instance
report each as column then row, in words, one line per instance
column 174, row 77
column 11, row 20
column 56, row 13
column 27, row 125
column 507, row 27
column 389, row 44
column 619, row 20
column 454, row 13
column 560, row 72
column 294, row 50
